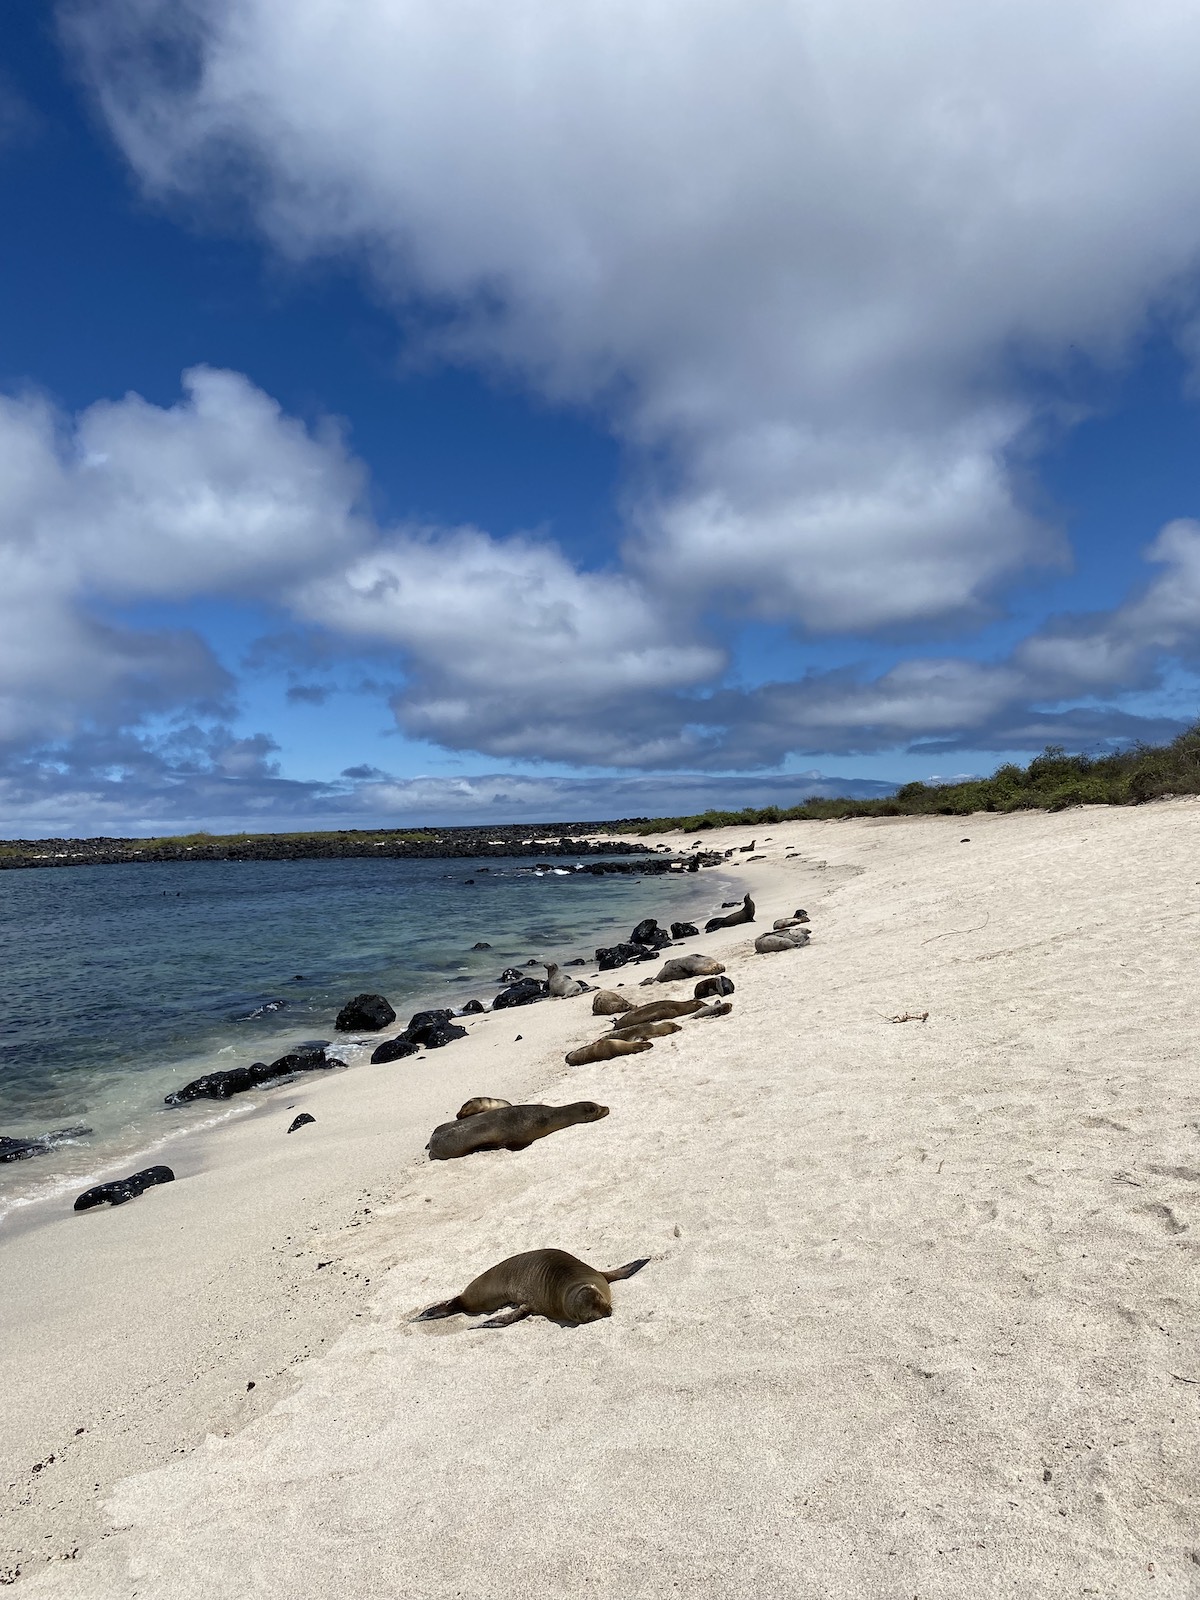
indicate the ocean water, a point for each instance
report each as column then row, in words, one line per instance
column 120, row 983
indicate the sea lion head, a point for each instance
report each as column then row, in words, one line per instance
column 589, row 1111
column 587, row 1302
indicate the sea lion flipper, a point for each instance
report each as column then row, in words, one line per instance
column 444, row 1308
column 507, row 1318
column 627, row 1271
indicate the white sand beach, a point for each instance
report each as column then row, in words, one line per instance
column 921, row 1317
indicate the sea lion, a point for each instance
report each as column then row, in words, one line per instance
column 543, row 1283
column 605, row 1050
column 694, row 966
column 645, row 1030
column 781, row 924
column 481, row 1102
column 708, row 987
column 607, row 1003
column 561, row 987
column 507, row 1128
column 719, row 1008
column 658, row 1011
column 734, row 919
column 788, row 939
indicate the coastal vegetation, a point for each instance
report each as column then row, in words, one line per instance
column 1051, row 782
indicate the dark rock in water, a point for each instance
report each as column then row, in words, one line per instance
column 534, row 962
column 122, row 1189
column 578, row 962
column 298, row 977
column 366, row 1013
column 221, row 1085
column 522, row 993
column 395, row 1049
column 423, row 1019
column 512, row 975
column 18, row 1149
column 482, row 945
column 473, row 1008
column 618, row 955
column 299, row 1122
column 468, row 880
column 684, row 930
column 725, row 904
column 712, row 986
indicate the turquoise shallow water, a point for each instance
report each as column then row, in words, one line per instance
column 117, row 984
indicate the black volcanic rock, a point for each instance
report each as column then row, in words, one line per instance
column 14, row 1148
column 423, row 1019
column 366, row 1013
column 619, row 955
column 482, row 944
column 395, row 1049
column 122, row 1189
column 522, row 993
column 649, row 933
column 684, row 930
column 445, row 1033
column 473, row 1008
column 301, row 1121
column 512, row 975
column 237, row 1080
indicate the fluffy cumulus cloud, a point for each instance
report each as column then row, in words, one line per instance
column 818, row 265
column 798, row 256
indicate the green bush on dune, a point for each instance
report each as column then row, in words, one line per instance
column 1051, row 782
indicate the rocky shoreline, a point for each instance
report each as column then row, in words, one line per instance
column 462, row 843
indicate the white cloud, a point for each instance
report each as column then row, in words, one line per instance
column 807, row 255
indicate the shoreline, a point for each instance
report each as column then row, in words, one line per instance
column 917, row 1296
column 28, row 1187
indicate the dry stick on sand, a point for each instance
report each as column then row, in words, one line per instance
column 958, row 933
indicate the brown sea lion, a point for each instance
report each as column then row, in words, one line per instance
column 646, row 1030
column 508, row 1128
column 693, row 966
column 543, row 1283
column 787, row 939
column 607, row 1003
column 707, row 987
column 561, row 987
column 605, row 1050
column 482, row 1102
column 658, row 1011
column 735, row 918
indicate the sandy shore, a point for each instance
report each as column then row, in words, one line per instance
column 921, row 1317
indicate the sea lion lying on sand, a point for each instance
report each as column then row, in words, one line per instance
column 735, row 918
column 645, row 1030
column 694, row 966
column 605, row 1050
column 659, row 1011
column 786, row 939
column 507, row 1128
column 543, row 1283
column 481, row 1102
column 719, row 1008
column 607, row 1003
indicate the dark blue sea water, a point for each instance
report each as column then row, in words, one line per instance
column 119, row 983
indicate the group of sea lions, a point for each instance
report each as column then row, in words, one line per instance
column 552, row 1283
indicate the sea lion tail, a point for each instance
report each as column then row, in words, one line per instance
column 627, row 1271
column 444, row 1308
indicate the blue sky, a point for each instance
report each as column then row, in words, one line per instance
column 440, row 412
